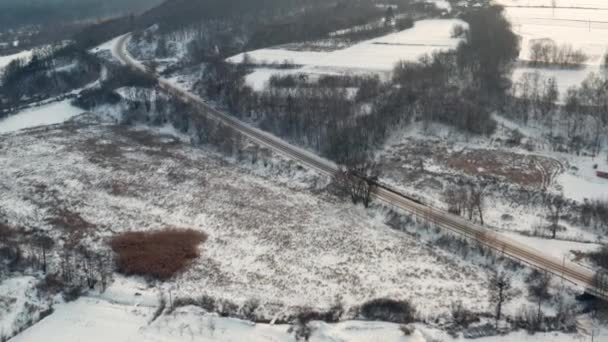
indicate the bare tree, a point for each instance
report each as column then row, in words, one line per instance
column 358, row 179
column 476, row 199
column 555, row 206
column 44, row 243
column 500, row 291
column 538, row 288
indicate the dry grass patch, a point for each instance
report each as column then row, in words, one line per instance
column 159, row 254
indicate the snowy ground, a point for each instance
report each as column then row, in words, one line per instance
column 101, row 320
column 18, row 303
column 582, row 24
column 591, row 4
column 267, row 241
column 448, row 156
column 377, row 55
column 50, row 114
column 5, row 60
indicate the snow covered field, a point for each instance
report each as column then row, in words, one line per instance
column 5, row 60
column 376, row 55
column 592, row 4
column 379, row 54
column 268, row 241
column 449, row 156
column 50, row 114
column 100, row 321
column 583, row 24
column 565, row 78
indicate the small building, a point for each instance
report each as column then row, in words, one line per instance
column 602, row 174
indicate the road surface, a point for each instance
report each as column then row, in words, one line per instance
column 569, row 271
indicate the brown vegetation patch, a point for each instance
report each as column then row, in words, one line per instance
column 106, row 153
column 526, row 170
column 159, row 254
column 72, row 223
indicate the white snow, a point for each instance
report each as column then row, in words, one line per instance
column 39, row 116
column 583, row 24
column 579, row 187
column 107, row 46
column 15, row 295
column 441, row 4
column 565, row 78
column 93, row 319
column 591, row 4
column 584, row 29
column 378, row 54
column 558, row 248
column 5, row 60
column 99, row 320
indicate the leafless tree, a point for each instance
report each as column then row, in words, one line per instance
column 358, row 179
column 44, row 243
column 500, row 291
column 555, row 205
column 538, row 288
column 476, row 200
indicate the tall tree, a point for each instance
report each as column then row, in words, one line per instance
column 500, row 291
column 490, row 48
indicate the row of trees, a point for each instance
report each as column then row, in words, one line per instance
column 576, row 124
column 325, row 117
column 466, row 200
column 41, row 77
column 67, row 265
column 594, row 213
column 546, row 52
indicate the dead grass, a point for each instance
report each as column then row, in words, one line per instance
column 526, row 170
column 159, row 254
column 72, row 223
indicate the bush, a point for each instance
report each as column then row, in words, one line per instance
column 51, row 284
column 600, row 257
column 72, row 293
column 91, row 98
column 547, row 52
column 158, row 254
column 407, row 329
column 388, row 310
column 462, row 316
column 404, row 23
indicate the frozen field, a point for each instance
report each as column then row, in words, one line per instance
column 267, row 240
column 565, row 78
column 376, row 55
column 101, row 321
column 5, row 60
column 582, row 28
column 49, row 114
column 592, row 4
column 580, row 23
column 449, row 156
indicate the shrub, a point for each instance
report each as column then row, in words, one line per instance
column 46, row 313
column 407, row 329
column 462, row 316
column 158, row 254
column 248, row 309
column 404, row 23
column 388, row 310
column 72, row 293
column 51, row 284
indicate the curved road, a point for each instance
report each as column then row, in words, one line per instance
column 509, row 247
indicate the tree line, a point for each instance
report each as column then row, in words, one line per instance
column 51, row 71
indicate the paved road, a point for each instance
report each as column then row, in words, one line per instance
column 509, row 247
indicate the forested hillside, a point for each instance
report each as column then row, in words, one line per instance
column 20, row 13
